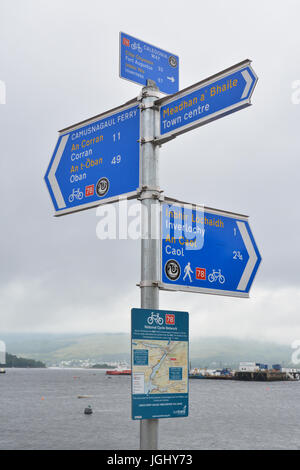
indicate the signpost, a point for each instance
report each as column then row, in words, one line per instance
column 96, row 161
column 140, row 61
column 115, row 155
column 206, row 250
column 210, row 99
column 160, row 363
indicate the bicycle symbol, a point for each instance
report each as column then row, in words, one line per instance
column 76, row 194
column 154, row 317
column 136, row 45
column 216, row 276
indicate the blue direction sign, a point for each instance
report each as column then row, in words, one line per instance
column 140, row 61
column 206, row 250
column 160, row 363
column 96, row 161
column 206, row 101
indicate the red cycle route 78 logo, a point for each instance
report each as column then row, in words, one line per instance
column 126, row 42
column 170, row 319
column 201, row 274
column 89, row 190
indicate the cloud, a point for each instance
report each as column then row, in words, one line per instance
column 267, row 316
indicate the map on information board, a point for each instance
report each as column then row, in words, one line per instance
column 160, row 352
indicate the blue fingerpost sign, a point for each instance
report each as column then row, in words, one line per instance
column 96, row 162
column 206, row 250
column 210, row 99
column 159, row 363
column 140, row 61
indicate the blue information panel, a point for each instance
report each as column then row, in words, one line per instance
column 206, row 250
column 210, row 99
column 96, row 162
column 140, row 61
column 160, row 363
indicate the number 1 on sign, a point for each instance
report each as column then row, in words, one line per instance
column 117, row 136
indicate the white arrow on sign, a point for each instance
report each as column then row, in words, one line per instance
column 249, row 81
column 52, row 178
column 172, row 79
column 252, row 256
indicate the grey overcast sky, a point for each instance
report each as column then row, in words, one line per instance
column 59, row 61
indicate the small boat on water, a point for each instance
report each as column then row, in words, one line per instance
column 118, row 372
column 88, row 410
column 122, row 369
column 2, row 371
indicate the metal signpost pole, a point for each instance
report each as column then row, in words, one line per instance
column 150, row 242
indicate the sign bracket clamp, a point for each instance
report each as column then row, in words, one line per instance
column 146, row 192
column 148, row 284
column 146, row 140
column 144, row 106
column 156, row 140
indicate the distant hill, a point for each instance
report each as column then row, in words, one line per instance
column 214, row 352
column 14, row 361
column 53, row 348
column 106, row 347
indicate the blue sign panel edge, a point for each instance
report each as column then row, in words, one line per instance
column 202, row 290
column 131, row 195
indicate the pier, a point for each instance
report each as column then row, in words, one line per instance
column 265, row 376
column 258, row 376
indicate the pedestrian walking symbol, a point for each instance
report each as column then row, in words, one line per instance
column 188, row 271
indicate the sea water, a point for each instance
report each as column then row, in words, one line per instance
column 40, row 409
